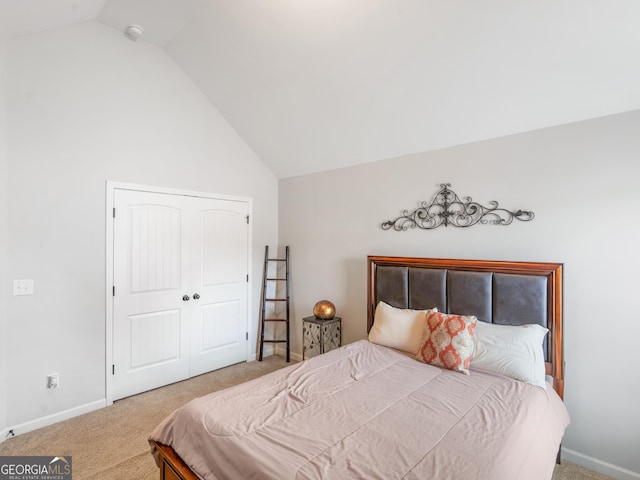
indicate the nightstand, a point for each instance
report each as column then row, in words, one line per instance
column 320, row 335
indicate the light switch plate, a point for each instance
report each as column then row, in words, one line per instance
column 22, row 287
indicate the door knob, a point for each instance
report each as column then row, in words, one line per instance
column 196, row 296
column 185, row 298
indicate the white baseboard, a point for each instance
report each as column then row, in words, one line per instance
column 4, row 434
column 53, row 418
column 599, row 466
column 268, row 351
column 296, row 357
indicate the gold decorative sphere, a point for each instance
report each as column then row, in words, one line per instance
column 324, row 309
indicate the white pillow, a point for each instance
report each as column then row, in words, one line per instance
column 398, row 328
column 511, row 350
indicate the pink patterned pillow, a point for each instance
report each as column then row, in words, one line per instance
column 447, row 341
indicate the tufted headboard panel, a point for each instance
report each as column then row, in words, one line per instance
column 508, row 293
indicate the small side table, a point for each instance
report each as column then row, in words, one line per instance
column 320, row 335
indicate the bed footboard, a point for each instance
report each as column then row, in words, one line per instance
column 171, row 465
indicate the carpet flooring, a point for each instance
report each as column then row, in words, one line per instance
column 111, row 443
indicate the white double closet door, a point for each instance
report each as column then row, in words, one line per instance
column 181, row 291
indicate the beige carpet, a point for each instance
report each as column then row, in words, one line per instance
column 111, row 443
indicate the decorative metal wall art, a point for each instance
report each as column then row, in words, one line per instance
column 447, row 209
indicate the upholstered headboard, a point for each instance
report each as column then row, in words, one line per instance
column 511, row 293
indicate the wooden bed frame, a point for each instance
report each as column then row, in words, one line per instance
column 173, row 468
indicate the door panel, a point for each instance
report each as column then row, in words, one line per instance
column 219, row 329
column 155, row 248
column 155, row 338
column 222, row 259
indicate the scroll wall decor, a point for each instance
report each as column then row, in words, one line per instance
column 446, row 209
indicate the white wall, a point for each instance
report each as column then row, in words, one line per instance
column 86, row 105
column 4, row 286
column 581, row 180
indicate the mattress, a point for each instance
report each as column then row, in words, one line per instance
column 366, row 411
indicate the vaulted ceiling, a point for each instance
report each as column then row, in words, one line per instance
column 313, row 85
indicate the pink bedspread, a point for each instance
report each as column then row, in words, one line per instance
column 365, row 411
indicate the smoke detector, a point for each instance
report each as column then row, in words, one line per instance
column 133, row 32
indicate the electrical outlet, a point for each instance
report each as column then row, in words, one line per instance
column 53, row 380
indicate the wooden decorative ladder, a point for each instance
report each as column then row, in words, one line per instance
column 278, row 279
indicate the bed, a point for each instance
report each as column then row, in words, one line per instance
column 371, row 410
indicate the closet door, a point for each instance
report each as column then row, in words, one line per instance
column 151, row 321
column 180, row 307
column 220, row 257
